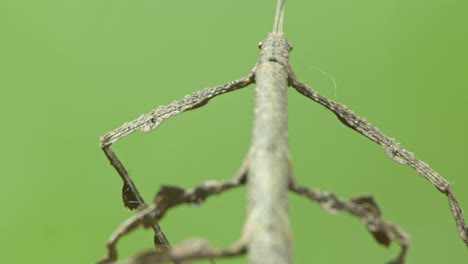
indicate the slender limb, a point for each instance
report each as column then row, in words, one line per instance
column 188, row 250
column 366, row 209
column 392, row 148
column 131, row 197
column 150, row 121
column 167, row 198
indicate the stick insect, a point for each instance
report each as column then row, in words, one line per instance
column 266, row 171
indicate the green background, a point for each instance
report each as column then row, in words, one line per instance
column 73, row 70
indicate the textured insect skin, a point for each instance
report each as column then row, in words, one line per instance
column 268, row 228
column 266, row 170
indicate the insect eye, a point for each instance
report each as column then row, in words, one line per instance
column 260, row 45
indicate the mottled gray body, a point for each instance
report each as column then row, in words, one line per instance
column 266, row 169
column 268, row 228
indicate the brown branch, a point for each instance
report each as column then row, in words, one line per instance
column 392, row 148
column 132, row 199
column 130, row 195
column 367, row 210
column 152, row 120
column 166, row 198
column 188, row 250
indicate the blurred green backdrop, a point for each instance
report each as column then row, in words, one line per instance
column 73, row 70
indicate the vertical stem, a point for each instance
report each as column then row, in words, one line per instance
column 268, row 229
column 278, row 24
